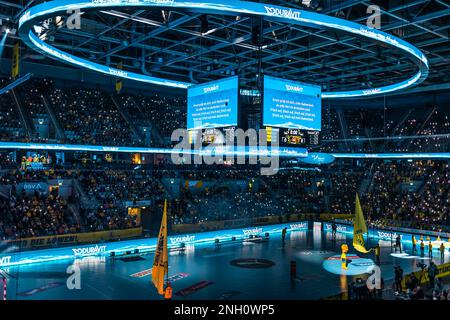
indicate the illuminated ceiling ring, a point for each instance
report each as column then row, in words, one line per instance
column 43, row 11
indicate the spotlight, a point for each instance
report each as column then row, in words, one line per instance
column 59, row 22
column 314, row 4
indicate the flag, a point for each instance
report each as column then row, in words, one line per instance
column 359, row 228
column 161, row 262
column 119, row 82
column 15, row 65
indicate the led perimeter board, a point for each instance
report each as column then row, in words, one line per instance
column 292, row 105
column 213, row 105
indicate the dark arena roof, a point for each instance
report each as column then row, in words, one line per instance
column 194, row 47
column 111, row 111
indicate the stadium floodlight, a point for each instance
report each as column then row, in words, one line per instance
column 59, row 22
column 3, row 41
column 306, row 3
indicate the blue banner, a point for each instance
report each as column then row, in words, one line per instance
column 318, row 158
column 217, row 150
column 389, row 235
column 292, row 105
column 143, row 245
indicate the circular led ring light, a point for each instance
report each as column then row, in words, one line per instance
column 54, row 8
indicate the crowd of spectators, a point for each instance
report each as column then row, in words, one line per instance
column 377, row 130
column 425, row 205
column 112, row 191
column 410, row 194
column 11, row 128
column 23, row 216
column 167, row 113
column 90, row 116
column 108, row 187
column 413, row 193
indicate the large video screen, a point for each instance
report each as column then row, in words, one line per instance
column 292, row 105
column 213, row 105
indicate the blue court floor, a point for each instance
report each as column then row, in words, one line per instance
column 206, row 272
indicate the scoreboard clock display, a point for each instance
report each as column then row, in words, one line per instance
column 295, row 137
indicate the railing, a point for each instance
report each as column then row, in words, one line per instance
column 24, row 117
column 59, row 131
column 71, row 239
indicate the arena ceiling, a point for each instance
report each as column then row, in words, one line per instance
column 198, row 48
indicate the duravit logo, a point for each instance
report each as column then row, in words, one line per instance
column 156, row 1
column 118, row 73
column 340, row 228
column 388, row 235
column 293, row 88
column 132, row 1
column 297, row 226
column 317, row 157
column 371, row 91
column 110, row 148
column 210, row 89
column 285, row 13
column 378, row 35
column 183, row 239
column 106, row 1
column 252, row 231
column 89, row 250
column 4, row 261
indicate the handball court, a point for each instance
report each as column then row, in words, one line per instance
column 258, row 269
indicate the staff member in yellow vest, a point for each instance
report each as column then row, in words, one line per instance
column 422, row 248
column 430, row 249
column 442, row 250
column 377, row 254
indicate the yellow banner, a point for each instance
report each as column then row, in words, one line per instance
column 161, row 262
column 359, row 228
column 119, row 82
column 15, row 65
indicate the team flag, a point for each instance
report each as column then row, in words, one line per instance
column 161, row 262
column 15, row 65
column 119, row 81
column 359, row 228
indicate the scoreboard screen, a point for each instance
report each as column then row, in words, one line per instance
column 210, row 136
column 289, row 104
column 213, row 105
column 295, row 137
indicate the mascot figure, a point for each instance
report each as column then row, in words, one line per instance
column 344, row 261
